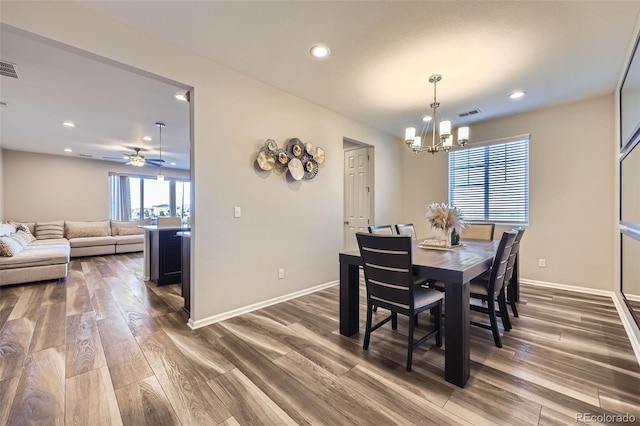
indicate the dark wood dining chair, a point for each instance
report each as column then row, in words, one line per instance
column 381, row 229
column 478, row 231
column 513, row 258
column 388, row 277
column 492, row 290
column 406, row 229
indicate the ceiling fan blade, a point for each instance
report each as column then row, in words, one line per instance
column 157, row 160
column 154, row 162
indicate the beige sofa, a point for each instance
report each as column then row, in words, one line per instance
column 48, row 256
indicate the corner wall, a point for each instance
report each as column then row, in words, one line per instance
column 1, row 185
column 571, row 181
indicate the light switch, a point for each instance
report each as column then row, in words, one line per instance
column 237, row 212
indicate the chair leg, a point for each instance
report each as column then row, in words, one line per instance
column 367, row 332
column 514, row 309
column 394, row 320
column 415, row 319
column 375, row 308
column 512, row 300
column 504, row 314
column 438, row 324
column 410, row 346
column 494, row 322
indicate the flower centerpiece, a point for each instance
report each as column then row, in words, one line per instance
column 444, row 217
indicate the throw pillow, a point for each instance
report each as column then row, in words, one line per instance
column 9, row 247
column 6, row 229
column 128, row 230
column 50, row 230
column 86, row 231
column 116, row 225
column 21, row 238
column 24, row 228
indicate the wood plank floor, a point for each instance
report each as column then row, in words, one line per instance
column 104, row 347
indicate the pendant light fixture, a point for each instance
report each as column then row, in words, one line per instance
column 446, row 138
column 160, row 176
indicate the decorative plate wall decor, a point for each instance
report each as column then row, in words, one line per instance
column 301, row 160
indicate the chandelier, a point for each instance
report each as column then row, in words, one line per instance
column 446, row 138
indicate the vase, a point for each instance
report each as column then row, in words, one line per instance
column 446, row 236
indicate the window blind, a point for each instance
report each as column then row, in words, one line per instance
column 491, row 182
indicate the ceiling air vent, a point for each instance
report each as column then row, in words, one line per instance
column 9, row 70
column 86, row 155
column 468, row 113
column 3, row 104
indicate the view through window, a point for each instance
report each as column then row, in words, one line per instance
column 135, row 198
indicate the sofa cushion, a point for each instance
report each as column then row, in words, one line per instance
column 9, row 246
column 30, row 225
column 53, row 252
column 48, row 230
column 24, row 228
column 128, row 228
column 21, row 237
column 87, row 229
column 129, row 239
column 6, row 229
column 92, row 241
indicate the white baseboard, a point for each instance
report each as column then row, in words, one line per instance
column 628, row 326
column 246, row 309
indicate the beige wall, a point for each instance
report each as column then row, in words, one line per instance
column 571, row 181
column 41, row 187
column 291, row 225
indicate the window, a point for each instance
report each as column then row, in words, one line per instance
column 491, row 182
column 135, row 198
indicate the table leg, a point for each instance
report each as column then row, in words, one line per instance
column 456, row 341
column 349, row 299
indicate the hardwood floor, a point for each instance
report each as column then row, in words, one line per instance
column 106, row 348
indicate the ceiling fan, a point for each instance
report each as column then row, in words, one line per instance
column 138, row 160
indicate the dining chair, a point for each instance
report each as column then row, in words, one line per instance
column 388, row 277
column 381, row 229
column 492, row 290
column 406, row 229
column 513, row 257
column 478, row 231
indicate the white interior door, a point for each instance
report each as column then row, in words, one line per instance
column 356, row 195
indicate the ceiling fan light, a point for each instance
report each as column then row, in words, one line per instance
column 137, row 162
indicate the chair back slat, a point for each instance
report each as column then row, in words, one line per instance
column 381, row 229
column 500, row 262
column 406, row 229
column 387, row 269
column 478, row 231
column 515, row 248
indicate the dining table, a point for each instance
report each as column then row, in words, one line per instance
column 455, row 267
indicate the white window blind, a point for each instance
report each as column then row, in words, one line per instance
column 491, row 182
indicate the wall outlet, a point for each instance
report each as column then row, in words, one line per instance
column 281, row 273
column 237, row 212
column 542, row 263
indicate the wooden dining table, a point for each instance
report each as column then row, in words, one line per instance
column 456, row 268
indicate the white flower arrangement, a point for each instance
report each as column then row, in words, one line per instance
column 444, row 217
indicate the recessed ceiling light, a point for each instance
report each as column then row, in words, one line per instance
column 181, row 97
column 173, row 163
column 68, row 124
column 320, row 51
column 427, row 118
column 146, row 138
column 517, row 94
column 68, row 150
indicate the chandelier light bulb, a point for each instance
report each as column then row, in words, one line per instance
column 409, row 134
column 417, row 142
column 445, row 129
column 463, row 135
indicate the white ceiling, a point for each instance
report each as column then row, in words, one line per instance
column 382, row 54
